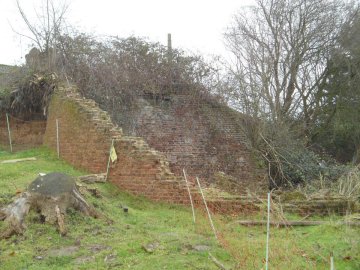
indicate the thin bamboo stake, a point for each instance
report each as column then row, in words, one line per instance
column 207, row 209
column 332, row 266
column 190, row 197
column 9, row 132
column 289, row 223
column 57, row 138
column 108, row 164
column 267, row 233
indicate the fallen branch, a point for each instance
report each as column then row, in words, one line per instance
column 93, row 178
column 18, row 160
column 291, row 223
column 216, row 262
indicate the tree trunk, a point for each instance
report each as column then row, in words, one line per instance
column 50, row 196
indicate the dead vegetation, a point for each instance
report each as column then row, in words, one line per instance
column 30, row 95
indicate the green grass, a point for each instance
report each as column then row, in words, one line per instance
column 295, row 248
column 98, row 244
column 169, row 226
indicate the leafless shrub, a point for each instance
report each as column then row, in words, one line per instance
column 117, row 71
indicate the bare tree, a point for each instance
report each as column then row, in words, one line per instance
column 45, row 30
column 281, row 48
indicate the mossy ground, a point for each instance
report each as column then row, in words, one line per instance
column 97, row 244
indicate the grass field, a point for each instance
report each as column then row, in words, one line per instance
column 96, row 244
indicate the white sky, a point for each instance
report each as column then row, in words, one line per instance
column 195, row 25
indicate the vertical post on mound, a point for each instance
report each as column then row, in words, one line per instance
column 190, row 197
column 9, row 132
column 57, row 138
column 108, row 164
column 207, row 209
column 169, row 47
column 267, row 232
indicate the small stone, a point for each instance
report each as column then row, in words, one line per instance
column 39, row 258
column 151, row 247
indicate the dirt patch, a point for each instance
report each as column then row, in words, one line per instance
column 64, row 251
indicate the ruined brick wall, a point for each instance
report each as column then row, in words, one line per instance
column 24, row 134
column 85, row 133
column 204, row 137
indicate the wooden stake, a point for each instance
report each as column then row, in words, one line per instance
column 190, row 197
column 8, row 126
column 108, row 164
column 267, row 233
column 57, row 138
column 207, row 209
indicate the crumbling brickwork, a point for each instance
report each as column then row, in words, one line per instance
column 85, row 134
column 202, row 136
column 24, row 134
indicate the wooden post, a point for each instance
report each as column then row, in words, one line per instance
column 190, row 197
column 57, row 138
column 267, row 232
column 207, row 209
column 9, row 132
column 108, row 164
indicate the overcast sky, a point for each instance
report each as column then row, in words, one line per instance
column 195, row 25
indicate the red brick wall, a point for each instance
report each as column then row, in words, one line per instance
column 85, row 134
column 201, row 136
column 24, row 134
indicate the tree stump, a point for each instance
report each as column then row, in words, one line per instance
column 50, row 196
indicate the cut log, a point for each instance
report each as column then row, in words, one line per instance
column 291, row 223
column 50, row 196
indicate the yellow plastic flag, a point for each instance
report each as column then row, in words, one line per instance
column 113, row 155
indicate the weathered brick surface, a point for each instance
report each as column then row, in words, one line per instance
column 85, row 134
column 201, row 136
column 24, row 134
